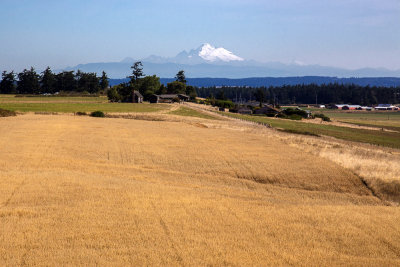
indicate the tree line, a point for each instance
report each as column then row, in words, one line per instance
column 149, row 85
column 307, row 94
column 30, row 82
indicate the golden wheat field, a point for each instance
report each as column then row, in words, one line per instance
column 181, row 191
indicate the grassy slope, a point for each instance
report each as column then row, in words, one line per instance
column 185, row 111
column 389, row 139
column 126, row 192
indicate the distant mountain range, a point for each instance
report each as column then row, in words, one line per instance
column 211, row 62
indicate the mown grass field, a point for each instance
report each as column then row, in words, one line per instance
column 382, row 138
column 73, row 104
column 52, row 99
column 185, row 111
column 384, row 119
column 101, row 191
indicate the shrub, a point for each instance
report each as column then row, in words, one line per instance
column 295, row 117
column 80, row 113
column 7, row 113
column 282, row 116
column 113, row 95
column 97, row 113
column 295, row 111
column 323, row 117
column 224, row 104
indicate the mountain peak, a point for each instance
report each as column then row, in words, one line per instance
column 212, row 54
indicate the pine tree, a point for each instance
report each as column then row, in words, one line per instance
column 7, row 84
column 47, row 81
column 28, row 82
column 104, row 81
column 137, row 72
column 180, row 77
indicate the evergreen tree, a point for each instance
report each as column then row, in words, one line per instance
column 104, row 81
column 180, row 77
column 176, row 88
column 137, row 72
column 260, row 96
column 28, row 82
column 47, row 81
column 191, row 92
column 65, row 81
column 7, row 84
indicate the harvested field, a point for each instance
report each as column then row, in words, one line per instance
column 111, row 191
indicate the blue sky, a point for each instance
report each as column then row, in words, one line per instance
column 343, row 33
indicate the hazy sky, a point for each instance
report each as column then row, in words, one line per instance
column 60, row 33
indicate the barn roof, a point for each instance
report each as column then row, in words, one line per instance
column 137, row 93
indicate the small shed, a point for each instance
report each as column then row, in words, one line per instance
column 137, row 97
column 386, row 107
column 183, row 97
column 168, row 98
column 267, row 110
column 244, row 110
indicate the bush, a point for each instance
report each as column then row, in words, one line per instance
column 323, row 117
column 113, row 95
column 7, row 113
column 295, row 111
column 282, row 116
column 80, row 113
column 224, row 104
column 97, row 113
column 295, row 117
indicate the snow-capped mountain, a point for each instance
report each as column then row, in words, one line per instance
column 209, row 61
column 206, row 53
column 212, row 54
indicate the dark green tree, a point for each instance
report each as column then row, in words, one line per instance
column 104, row 81
column 162, row 90
column 7, row 84
column 148, row 85
column 180, row 77
column 28, row 82
column 191, row 92
column 65, row 81
column 113, row 95
column 47, row 81
column 221, row 95
column 87, row 82
column 137, row 72
column 260, row 96
column 176, row 88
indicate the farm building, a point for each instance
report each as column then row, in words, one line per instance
column 386, row 107
column 241, row 110
column 267, row 110
column 169, row 98
column 137, row 97
column 347, row 107
column 244, row 110
column 366, row 108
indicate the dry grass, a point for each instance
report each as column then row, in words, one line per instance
column 84, row 191
column 378, row 167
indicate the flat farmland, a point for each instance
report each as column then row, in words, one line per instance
column 73, row 104
column 101, row 191
column 381, row 119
